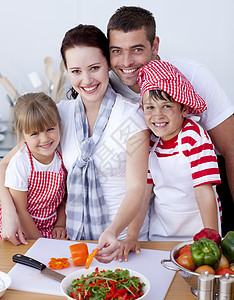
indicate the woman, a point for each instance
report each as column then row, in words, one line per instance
column 104, row 146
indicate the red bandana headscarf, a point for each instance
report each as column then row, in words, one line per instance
column 164, row 76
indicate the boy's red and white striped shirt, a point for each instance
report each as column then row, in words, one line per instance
column 198, row 147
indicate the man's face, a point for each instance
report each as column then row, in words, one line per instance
column 129, row 52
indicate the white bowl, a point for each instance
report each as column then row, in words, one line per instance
column 5, row 281
column 66, row 282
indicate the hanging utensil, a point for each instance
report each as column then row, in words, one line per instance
column 9, row 87
column 35, row 80
column 48, row 62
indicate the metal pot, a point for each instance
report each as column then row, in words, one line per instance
column 190, row 277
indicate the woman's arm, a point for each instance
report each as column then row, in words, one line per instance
column 206, row 201
column 11, row 227
column 136, row 174
column 28, row 226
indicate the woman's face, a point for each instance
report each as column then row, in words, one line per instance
column 88, row 71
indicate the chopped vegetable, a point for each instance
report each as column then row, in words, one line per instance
column 227, row 246
column 205, row 252
column 58, row 263
column 108, row 284
column 208, row 233
column 90, row 258
column 79, row 254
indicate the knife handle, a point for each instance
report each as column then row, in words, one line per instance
column 28, row 261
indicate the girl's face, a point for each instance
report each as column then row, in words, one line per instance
column 163, row 117
column 88, row 71
column 42, row 144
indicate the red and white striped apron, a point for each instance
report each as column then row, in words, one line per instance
column 45, row 192
column 174, row 211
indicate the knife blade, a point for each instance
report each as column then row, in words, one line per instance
column 28, row 261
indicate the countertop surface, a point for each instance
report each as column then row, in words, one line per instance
column 179, row 289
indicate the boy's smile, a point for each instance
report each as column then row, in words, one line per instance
column 164, row 117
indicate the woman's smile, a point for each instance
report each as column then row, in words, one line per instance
column 88, row 71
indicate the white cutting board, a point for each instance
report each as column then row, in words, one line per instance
column 148, row 263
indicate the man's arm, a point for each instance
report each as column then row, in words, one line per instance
column 223, row 138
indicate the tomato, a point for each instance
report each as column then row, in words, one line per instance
column 79, row 254
column 225, row 271
column 185, row 249
column 204, row 268
column 186, row 261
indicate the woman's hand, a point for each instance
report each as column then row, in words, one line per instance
column 11, row 229
column 109, row 247
column 127, row 246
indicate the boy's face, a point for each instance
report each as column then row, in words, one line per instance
column 163, row 117
column 129, row 52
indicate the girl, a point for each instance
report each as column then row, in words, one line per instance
column 104, row 145
column 36, row 175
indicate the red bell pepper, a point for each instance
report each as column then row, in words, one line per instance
column 208, row 233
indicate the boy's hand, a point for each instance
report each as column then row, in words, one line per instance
column 127, row 246
column 59, row 232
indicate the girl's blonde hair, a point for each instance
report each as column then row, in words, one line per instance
column 35, row 112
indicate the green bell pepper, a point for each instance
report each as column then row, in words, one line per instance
column 205, row 252
column 227, row 245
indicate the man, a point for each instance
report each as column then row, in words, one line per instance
column 133, row 43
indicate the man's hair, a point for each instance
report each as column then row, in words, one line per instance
column 130, row 18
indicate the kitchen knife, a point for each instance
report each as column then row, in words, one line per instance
column 28, row 261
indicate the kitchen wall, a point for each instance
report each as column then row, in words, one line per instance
column 30, row 30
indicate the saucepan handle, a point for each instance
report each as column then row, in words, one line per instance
column 164, row 264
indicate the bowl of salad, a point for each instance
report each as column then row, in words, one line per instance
column 105, row 283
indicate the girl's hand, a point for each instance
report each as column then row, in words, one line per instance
column 59, row 232
column 127, row 246
column 109, row 247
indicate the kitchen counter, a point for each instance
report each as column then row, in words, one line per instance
column 179, row 289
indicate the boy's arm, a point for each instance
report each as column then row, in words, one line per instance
column 206, row 201
column 27, row 223
column 131, row 241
